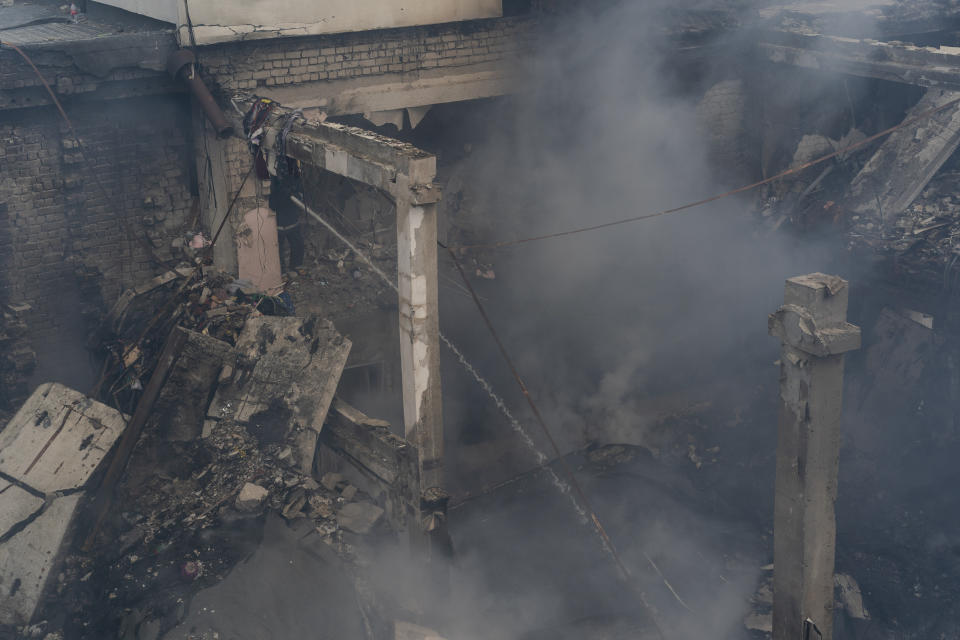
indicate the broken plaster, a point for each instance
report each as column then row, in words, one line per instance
column 421, row 373
column 414, row 222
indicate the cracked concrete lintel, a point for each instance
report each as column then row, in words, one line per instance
column 419, row 166
column 337, row 160
column 387, row 156
column 100, row 56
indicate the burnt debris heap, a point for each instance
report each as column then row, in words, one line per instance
column 173, row 400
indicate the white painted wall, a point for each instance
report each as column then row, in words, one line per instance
column 226, row 20
column 166, row 10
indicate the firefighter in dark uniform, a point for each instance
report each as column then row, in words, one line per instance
column 288, row 216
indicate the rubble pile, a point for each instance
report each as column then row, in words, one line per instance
column 236, row 391
column 132, row 334
column 925, row 239
column 186, row 515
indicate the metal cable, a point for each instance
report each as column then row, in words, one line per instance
column 698, row 203
column 568, row 470
column 578, row 498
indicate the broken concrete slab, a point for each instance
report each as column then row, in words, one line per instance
column 382, row 460
column 54, row 444
column 180, row 410
column 28, row 558
column 57, row 439
column 359, row 517
column 906, row 161
column 17, row 505
column 286, row 373
column 368, row 442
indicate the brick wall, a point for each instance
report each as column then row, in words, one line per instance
column 54, row 221
column 260, row 65
column 59, row 235
column 116, row 67
column 256, row 64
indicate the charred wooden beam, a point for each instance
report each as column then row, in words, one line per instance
column 168, row 357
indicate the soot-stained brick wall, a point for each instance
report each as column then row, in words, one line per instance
column 62, row 241
column 257, row 64
column 119, row 66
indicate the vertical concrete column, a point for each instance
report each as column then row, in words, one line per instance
column 218, row 184
column 814, row 333
column 420, row 335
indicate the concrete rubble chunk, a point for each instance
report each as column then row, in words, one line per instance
column 409, row 631
column 367, row 441
column 286, row 373
column 28, row 558
column 320, row 506
column 381, row 462
column 57, row 439
column 359, row 517
column 16, row 506
column 850, row 596
column 179, row 411
column 251, row 497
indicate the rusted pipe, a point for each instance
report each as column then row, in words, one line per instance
column 181, row 64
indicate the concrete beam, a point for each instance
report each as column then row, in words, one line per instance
column 896, row 62
column 814, row 333
column 419, row 311
column 353, row 152
column 283, row 380
column 417, row 165
column 308, row 149
column 407, row 174
column 399, row 91
column 906, row 161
